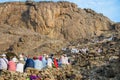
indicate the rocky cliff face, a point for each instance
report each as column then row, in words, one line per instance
column 32, row 28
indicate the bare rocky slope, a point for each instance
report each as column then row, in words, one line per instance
column 47, row 26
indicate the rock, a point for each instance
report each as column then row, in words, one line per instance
column 109, row 73
column 117, row 77
column 113, row 58
column 116, row 26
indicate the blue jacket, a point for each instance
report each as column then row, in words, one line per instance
column 29, row 63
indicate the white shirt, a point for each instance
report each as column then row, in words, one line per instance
column 63, row 60
column 66, row 60
column 3, row 63
column 49, row 62
column 20, row 67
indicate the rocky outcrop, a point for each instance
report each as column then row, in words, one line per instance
column 63, row 73
column 46, row 26
column 106, row 72
column 116, row 26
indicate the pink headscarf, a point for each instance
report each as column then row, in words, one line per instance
column 40, row 58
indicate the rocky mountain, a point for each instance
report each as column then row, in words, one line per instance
column 47, row 26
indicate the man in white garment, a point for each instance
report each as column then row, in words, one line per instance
column 20, row 66
column 66, row 59
column 49, row 62
column 3, row 63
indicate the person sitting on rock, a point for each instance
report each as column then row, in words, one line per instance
column 52, row 56
column 55, row 62
column 20, row 66
column 66, row 59
column 3, row 63
column 35, row 77
column 74, row 50
column 29, row 63
column 44, row 61
column 49, row 62
column 62, row 59
column 11, row 65
column 38, row 63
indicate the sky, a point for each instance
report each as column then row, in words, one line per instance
column 109, row 8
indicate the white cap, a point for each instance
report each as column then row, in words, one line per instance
column 3, row 55
column 20, row 56
column 21, row 59
column 15, row 59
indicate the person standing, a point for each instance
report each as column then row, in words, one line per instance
column 3, row 63
column 11, row 65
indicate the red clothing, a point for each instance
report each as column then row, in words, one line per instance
column 55, row 63
column 11, row 66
